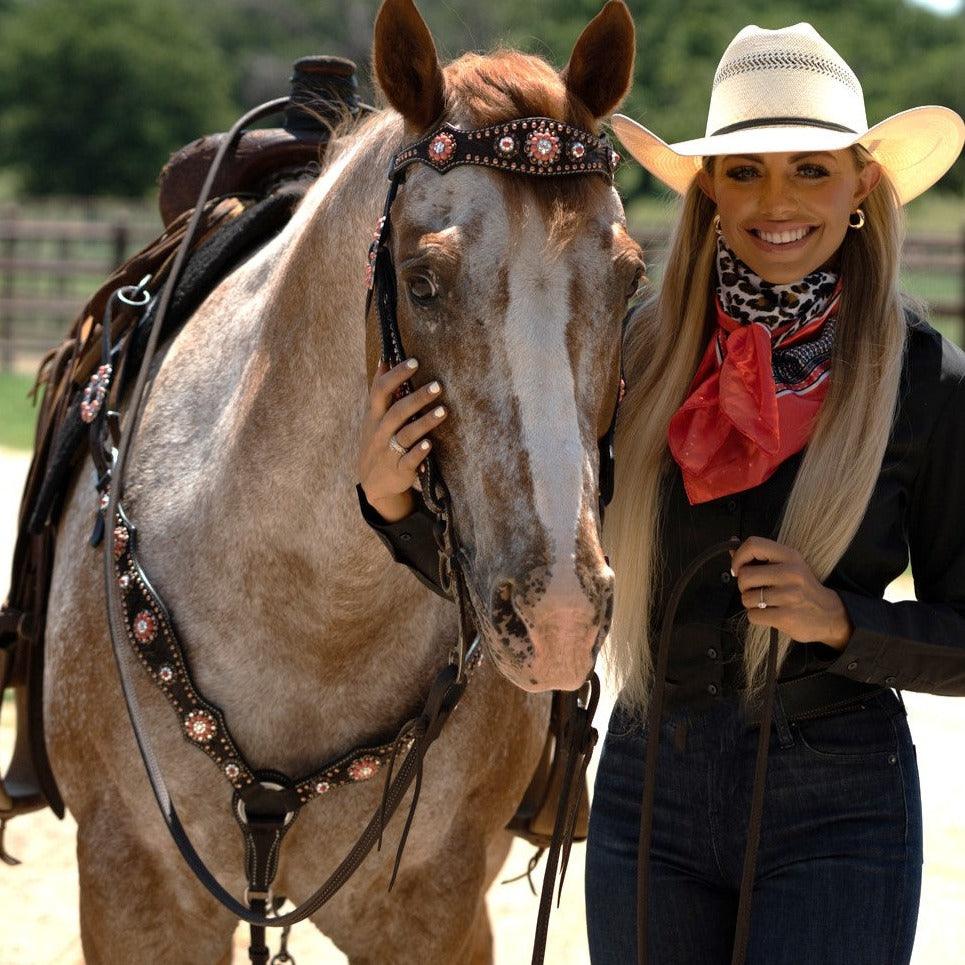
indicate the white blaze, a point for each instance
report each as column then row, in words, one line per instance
column 542, row 381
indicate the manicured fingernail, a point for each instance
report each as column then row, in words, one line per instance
column 412, row 364
column 732, row 573
column 423, row 445
column 434, row 388
column 438, row 411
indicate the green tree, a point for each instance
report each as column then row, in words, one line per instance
column 94, row 96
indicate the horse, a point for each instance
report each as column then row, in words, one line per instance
column 241, row 483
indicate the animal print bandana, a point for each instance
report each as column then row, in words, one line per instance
column 757, row 391
column 747, row 298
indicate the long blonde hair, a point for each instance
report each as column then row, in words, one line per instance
column 830, row 494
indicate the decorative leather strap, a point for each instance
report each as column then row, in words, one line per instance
column 540, row 146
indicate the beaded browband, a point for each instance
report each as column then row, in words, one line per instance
column 528, row 145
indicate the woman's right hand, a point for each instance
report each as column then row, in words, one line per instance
column 386, row 476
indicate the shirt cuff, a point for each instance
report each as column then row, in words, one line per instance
column 410, row 540
column 884, row 650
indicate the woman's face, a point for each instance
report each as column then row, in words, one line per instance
column 784, row 215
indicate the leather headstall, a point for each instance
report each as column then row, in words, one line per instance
column 533, row 147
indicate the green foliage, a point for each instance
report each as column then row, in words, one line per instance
column 96, row 95
column 904, row 55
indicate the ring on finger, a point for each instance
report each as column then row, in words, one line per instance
column 397, row 446
column 762, row 605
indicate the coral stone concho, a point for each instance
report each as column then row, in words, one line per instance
column 144, row 627
column 441, row 148
column 543, row 147
column 200, row 725
column 363, row 768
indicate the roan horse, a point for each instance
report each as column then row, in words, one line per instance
column 293, row 620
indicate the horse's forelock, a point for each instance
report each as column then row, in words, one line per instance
column 486, row 89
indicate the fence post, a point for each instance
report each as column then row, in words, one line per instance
column 120, row 244
column 8, row 215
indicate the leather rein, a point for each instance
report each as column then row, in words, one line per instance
column 266, row 803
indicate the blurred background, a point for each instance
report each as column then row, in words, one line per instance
column 96, row 94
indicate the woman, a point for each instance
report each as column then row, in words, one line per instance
column 779, row 391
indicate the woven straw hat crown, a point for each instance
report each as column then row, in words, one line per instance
column 790, row 90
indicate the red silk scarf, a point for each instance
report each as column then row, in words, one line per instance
column 752, row 402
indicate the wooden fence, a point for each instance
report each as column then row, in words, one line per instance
column 49, row 268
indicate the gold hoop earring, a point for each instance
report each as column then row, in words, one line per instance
column 717, row 224
column 859, row 224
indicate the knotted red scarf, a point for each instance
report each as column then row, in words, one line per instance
column 750, row 406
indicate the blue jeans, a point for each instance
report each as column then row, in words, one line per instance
column 839, row 868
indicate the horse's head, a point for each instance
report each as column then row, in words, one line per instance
column 511, row 290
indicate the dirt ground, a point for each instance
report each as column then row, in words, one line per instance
column 38, row 899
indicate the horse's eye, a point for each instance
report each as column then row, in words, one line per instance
column 422, row 289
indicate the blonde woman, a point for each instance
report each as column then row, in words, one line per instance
column 780, row 391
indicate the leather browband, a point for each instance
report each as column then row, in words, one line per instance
column 529, row 145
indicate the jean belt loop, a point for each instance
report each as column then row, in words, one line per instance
column 781, row 721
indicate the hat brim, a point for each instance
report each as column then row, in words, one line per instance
column 916, row 147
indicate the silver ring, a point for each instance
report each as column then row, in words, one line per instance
column 762, row 605
column 397, row 446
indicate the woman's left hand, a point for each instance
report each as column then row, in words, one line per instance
column 797, row 603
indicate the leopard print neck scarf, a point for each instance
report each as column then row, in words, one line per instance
column 757, row 391
column 747, row 298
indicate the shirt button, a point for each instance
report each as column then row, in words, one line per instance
column 712, row 689
column 405, row 537
column 725, row 576
column 732, row 505
column 853, row 665
column 889, row 680
column 712, row 653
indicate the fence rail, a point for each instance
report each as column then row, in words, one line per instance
column 49, row 268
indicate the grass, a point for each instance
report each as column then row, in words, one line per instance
column 17, row 412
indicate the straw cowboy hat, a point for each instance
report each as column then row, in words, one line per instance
column 790, row 90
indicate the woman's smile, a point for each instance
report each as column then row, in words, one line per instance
column 782, row 237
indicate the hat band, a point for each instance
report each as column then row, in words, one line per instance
column 783, row 122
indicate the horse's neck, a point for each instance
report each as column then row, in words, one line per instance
column 302, row 391
column 280, row 354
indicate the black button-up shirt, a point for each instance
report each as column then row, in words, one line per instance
column 917, row 508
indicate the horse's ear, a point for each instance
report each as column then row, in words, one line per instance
column 405, row 63
column 600, row 70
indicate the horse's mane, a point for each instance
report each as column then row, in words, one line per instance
column 492, row 88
